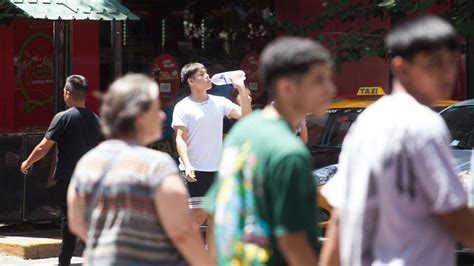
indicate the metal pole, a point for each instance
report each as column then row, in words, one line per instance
column 116, row 41
column 396, row 17
column 25, row 177
column 62, row 62
column 470, row 68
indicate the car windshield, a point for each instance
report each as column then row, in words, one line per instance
column 337, row 125
column 438, row 108
column 460, row 122
column 339, row 121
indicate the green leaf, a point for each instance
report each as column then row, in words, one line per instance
column 424, row 5
column 364, row 13
column 315, row 25
column 330, row 10
column 321, row 38
column 353, row 57
column 345, row 2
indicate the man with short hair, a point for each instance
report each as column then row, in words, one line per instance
column 263, row 203
column 75, row 131
column 126, row 201
column 396, row 196
column 198, row 122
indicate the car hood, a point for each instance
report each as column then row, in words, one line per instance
column 462, row 160
column 462, row 167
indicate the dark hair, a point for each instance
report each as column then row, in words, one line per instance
column 186, row 72
column 126, row 98
column 290, row 56
column 421, row 34
column 77, row 85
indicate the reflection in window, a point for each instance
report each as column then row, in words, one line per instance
column 211, row 32
column 460, row 122
column 337, row 126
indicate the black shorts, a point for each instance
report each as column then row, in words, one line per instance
column 197, row 190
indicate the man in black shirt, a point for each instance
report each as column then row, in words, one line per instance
column 75, row 131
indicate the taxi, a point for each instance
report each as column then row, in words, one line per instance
column 330, row 134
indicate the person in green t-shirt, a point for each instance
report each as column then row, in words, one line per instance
column 263, row 202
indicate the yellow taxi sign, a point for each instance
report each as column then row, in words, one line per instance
column 370, row 91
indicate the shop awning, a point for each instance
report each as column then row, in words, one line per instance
column 74, row 9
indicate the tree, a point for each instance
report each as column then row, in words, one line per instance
column 360, row 42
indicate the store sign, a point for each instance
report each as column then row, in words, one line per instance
column 33, row 48
column 165, row 70
column 370, row 91
column 250, row 66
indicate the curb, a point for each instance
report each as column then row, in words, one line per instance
column 30, row 248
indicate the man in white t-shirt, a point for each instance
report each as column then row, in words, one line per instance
column 397, row 199
column 198, row 122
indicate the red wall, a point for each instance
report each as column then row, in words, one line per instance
column 26, row 70
column 85, row 52
column 26, row 75
column 366, row 72
column 33, row 73
column 7, row 114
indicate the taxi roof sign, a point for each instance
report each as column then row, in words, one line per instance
column 370, row 91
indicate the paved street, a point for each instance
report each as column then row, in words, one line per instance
column 53, row 233
column 12, row 260
column 40, row 242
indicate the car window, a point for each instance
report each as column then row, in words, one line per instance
column 460, row 122
column 337, row 125
column 438, row 108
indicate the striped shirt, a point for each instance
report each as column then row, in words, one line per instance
column 124, row 226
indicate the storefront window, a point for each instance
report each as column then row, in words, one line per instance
column 223, row 35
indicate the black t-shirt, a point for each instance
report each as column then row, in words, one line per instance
column 76, row 131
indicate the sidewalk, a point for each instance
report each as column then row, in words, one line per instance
column 17, row 261
column 28, row 243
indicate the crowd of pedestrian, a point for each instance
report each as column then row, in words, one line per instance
column 397, row 199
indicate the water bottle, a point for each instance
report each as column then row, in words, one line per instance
column 224, row 77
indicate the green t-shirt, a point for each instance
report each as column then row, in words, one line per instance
column 266, row 151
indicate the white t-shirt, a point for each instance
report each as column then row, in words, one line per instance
column 395, row 176
column 204, row 122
